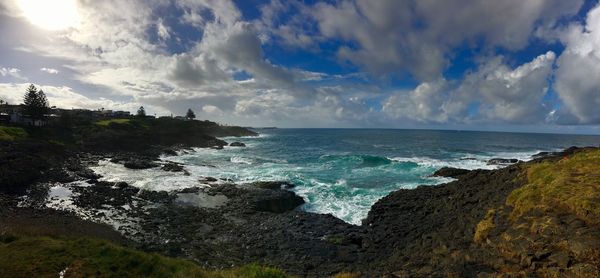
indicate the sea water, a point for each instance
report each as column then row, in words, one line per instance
column 345, row 171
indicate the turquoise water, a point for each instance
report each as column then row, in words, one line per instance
column 345, row 171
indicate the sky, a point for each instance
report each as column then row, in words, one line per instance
column 506, row 65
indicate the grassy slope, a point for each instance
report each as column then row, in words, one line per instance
column 8, row 133
column 571, row 184
column 86, row 257
column 550, row 226
column 117, row 121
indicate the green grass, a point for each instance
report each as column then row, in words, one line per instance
column 115, row 121
column 8, row 133
column 335, row 239
column 571, row 184
column 85, row 257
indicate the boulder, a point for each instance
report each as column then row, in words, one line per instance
column 542, row 155
column 169, row 152
column 172, row 167
column 121, row 184
column 237, row 144
column 450, row 172
column 278, row 202
column 208, row 179
column 273, row 185
column 139, row 164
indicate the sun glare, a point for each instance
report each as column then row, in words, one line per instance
column 50, row 14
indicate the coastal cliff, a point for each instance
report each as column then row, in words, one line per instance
column 532, row 218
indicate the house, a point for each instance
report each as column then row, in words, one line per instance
column 121, row 114
column 109, row 114
column 4, row 118
column 18, row 118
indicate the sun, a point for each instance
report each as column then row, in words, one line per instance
column 50, row 14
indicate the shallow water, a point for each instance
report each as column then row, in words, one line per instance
column 345, row 171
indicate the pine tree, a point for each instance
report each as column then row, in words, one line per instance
column 141, row 112
column 190, row 114
column 35, row 102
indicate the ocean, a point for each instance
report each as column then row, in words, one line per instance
column 345, row 171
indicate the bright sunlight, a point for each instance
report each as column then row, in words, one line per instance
column 51, row 15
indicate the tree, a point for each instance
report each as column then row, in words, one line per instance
column 36, row 104
column 141, row 112
column 190, row 114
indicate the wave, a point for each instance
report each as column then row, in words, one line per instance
column 467, row 161
column 241, row 160
column 374, row 161
column 360, row 161
column 150, row 179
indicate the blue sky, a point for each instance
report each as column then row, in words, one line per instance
column 459, row 64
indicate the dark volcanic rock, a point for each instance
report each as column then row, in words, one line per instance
column 433, row 225
column 450, row 172
column 22, row 163
column 559, row 155
column 208, row 179
column 279, row 201
column 169, row 152
column 272, row 185
column 172, row 167
column 237, row 144
column 137, row 163
column 424, row 232
column 542, row 155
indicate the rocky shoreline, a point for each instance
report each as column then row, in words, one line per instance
column 427, row 231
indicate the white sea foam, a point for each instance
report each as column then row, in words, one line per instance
column 438, row 163
column 467, row 161
column 150, row 179
column 241, row 160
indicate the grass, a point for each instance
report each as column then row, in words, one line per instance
column 86, row 257
column 485, row 226
column 113, row 121
column 8, row 133
column 335, row 239
column 347, row 275
column 571, row 184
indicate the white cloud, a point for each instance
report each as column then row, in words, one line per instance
column 423, row 104
column 119, row 57
column 50, row 70
column 11, row 72
column 65, row 97
column 393, row 37
column 162, row 30
column 510, row 95
column 495, row 92
column 578, row 68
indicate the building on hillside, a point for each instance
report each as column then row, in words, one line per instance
column 4, row 118
column 12, row 114
column 18, row 118
column 110, row 114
